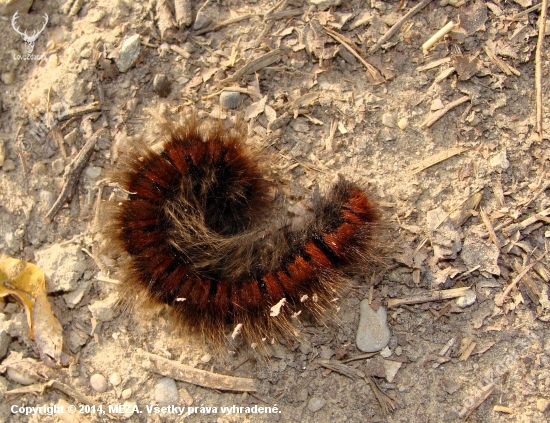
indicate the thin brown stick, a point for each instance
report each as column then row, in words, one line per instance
column 538, row 67
column 378, row 79
column 398, row 25
column 178, row 371
column 254, row 66
column 499, row 299
column 386, row 403
column 224, row 24
column 81, row 110
column 433, row 118
column 505, row 67
column 72, row 175
column 525, row 12
column 489, row 227
column 478, row 400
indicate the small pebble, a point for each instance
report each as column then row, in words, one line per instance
column 543, row 404
column 373, row 333
column 127, row 393
column 230, row 99
column 7, row 78
column 388, row 120
column 315, row 404
column 58, row 166
column 166, row 391
column 206, row 358
column 386, row 352
column 115, row 379
column 444, row 3
column 161, row 85
column 129, row 52
column 93, row 172
column 39, row 168
column 399, row 350
column 403, row 123
column 499, row 160
column 86, row 53
column 467, row 299
column 8, row 165
column 201, row 20
column 98, row 383
column 437, row 104
column 19, row 377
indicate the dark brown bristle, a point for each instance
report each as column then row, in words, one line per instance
column 197, row 237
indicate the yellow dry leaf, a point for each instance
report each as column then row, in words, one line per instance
column 22, row 280
column 26, row 282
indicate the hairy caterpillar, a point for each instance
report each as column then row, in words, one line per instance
column 194, row 235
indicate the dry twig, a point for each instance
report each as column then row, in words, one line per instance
column 477, row 400
column 224, row 24
column 254, row 66
column 178, row 371
column 538, row 67
column 72, row 175
column 434, row 117
column 436, row 158
column 429, row 296
column 499, row 299
column 397, row 26
column 378, row 79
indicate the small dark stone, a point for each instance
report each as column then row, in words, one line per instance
column 161, row 85
column 230, row 99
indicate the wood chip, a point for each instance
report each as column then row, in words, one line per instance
column 503, row 409
column 436, row 158
column 178, row 371
column 428, row 297
column 254, row 66
column 482, row 395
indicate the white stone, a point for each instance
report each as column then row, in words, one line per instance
column 93, row 172
column 166, row 392
column 373, row 333
column 316, row 403
column 21, row 378
column 467, row 299
column 115, row 379
column 390, row 368
column 98, row 383
column 388, row 120
column 500, row 160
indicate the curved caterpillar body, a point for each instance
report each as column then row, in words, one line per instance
column 194, row 230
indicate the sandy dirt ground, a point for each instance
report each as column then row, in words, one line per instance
column 445, row 138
